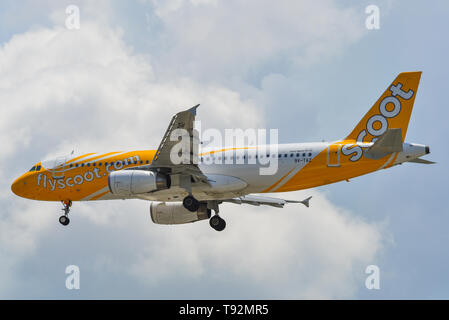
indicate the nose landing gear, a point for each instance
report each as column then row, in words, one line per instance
column 64, row 219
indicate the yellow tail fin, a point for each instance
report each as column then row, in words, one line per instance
column 392, row 110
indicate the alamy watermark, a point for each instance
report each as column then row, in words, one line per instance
column 72, row 282
column 372, row 21
column 72, row 21
column 237, row 146
column 373, row 280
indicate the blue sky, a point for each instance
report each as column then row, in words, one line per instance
column 310, row 69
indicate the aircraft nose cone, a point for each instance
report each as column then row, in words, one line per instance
column 17, row 187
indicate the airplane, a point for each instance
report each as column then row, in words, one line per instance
column 189, row 191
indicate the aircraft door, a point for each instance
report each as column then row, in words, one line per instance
column 333, row 155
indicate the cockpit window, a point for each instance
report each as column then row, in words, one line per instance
column 33, row 168
column 38, row 168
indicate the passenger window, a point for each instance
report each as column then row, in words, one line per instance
column 147, row 161
column 310, row 154
column 285, row 155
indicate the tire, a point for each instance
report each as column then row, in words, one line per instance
column 191, row 204
column 214, row 222
column 217, row 223
column 222, row 225
column 64, row 220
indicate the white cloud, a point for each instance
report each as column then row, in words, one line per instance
column 62, row 89
column 21, row 224
column 87, row 89
column 295, row 252
column 232, row 38
column 291, row 253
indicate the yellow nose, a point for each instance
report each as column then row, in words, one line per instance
column 18, row 186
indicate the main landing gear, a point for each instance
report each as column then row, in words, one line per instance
column 191, row 204
column 217, row 223
column 64, row 219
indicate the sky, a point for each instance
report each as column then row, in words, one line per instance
column 308, row 68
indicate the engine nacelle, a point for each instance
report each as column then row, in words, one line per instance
column 129, row 182
column 175, row 213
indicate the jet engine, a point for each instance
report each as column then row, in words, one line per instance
column 129, row 182
column 175, row 213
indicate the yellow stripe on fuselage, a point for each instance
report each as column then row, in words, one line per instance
column 82, row 182
column 277, row 182
column 317, row 172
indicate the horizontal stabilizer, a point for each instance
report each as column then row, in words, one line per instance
column 422, row 161
column 389, row 142
column 305, row 201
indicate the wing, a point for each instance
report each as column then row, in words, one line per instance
column 181, row 126
column 262, row 200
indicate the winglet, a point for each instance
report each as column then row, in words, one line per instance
column 193, row 109
column 306, row 201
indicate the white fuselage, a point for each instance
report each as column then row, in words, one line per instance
column 236, row 172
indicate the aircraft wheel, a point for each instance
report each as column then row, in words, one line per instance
column 191, row 204
column 64, row 220
column 217, row 223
